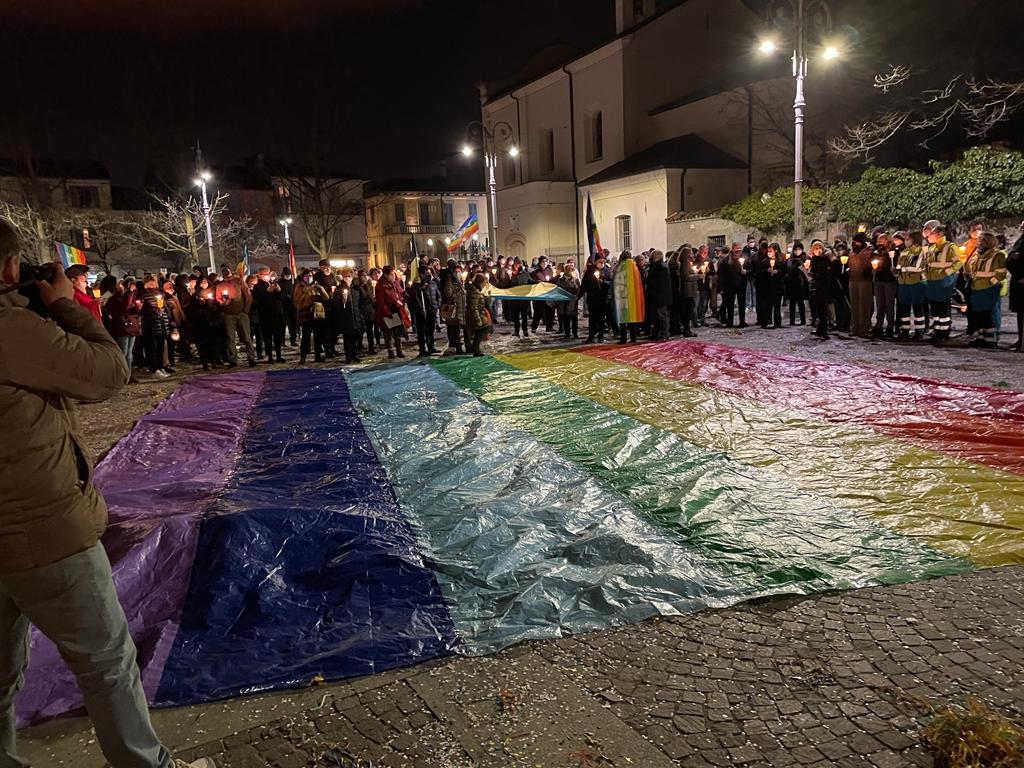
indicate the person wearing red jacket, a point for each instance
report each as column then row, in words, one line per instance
column 389, row 301
column 76, row 273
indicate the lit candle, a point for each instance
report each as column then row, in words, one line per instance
column 807, row 263
column 875, row 263
column 843, row 259
column 771, row 263
column 742, row 260
column 597, row 275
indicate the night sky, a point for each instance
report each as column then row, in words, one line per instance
column 377, row 87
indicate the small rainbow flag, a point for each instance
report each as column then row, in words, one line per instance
column 628, row 292
column 69, row 255
column 469, row 228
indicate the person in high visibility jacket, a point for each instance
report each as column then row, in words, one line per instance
column 942, row 263
column 986, row 270
column 910, row 289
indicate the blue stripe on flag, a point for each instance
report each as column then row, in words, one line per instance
column 306, row 566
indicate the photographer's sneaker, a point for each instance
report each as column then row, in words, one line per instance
column 202, row 762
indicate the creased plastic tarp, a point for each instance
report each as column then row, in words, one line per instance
column 306, row 565
column 532, row 292
column 525, row 544
column 981, row 424
column 969, row 510
column 752, row 524
column 157, row 481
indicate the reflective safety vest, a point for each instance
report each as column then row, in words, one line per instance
column 987, row 269
column 910, row 266
column 943, row 259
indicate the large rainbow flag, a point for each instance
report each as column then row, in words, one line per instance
column 528, row 496
column 464, row 233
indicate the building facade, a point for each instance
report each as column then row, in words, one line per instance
column 657, row 121
column 401, row 212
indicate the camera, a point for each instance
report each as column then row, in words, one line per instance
column 30, row 273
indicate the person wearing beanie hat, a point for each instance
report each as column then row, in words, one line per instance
column 942, row 265
column 822, row 283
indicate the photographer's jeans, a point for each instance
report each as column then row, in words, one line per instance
column 127, row 345
column 73, row 603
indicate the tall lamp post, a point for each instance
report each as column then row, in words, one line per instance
column 201, row 180
column 286, row 222
column 798, row 14
column 489, row 139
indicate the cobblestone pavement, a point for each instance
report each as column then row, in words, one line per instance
column 831, row 680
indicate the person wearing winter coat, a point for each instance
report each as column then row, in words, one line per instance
column 423, row 302
column 569, row 311
column 156, row 328
column 364, row 285
column 286, row 283
column 389, row 301
column 689, row 289
column 861, row 286
column 796, row 285
column 658, row 298
column 236, row 303
column 732, row 279
column 268, row 298
column 596, row 286
column 771, row 267
column 311, row 300
column 204, row 317
column 519, row 309
column 822, row 285
column 349, row 315
column 78, row 275
column 123, row 320
column 476, row 313
column 453, row 308
column 1015, row 269
column 542, row 310
column 986, row 270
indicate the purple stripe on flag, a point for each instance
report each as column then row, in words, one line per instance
column 158, row 482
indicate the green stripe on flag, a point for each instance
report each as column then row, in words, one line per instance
column 741, row 517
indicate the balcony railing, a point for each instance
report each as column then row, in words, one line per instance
column 418, row 229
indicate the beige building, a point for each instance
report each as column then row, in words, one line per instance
column 657, row 121
column 422, row 210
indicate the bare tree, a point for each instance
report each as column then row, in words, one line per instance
column 37, row 229
column 105, row 235
column 973, row 105
column 177, row 228
column 323, row 206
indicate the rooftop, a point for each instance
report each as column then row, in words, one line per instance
column 687, row 151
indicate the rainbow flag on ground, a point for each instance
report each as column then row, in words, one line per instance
column 68, row 255
column 627, row 292
column 535, row 494
column 464, row 233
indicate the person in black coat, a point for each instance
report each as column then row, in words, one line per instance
column 286, row 284
column 1015, row 270
column 156, row 327
column 424, row 303
column 732, row 279
column 543, row 310
column 796, row 285
column 349, row 312
column 596, row 287
column 659, row 296
column 771, row 266
column 822, row 285
column 267, row 300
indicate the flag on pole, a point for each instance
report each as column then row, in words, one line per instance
column 414, row 262
column 469, row 228
column 245, row 258
column 593, row 236
column 291, row 259
column 69, row 255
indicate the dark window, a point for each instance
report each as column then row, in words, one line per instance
column 547, row 153
column 400, row 213
column 472, row 209
column 84, row 197
column 638, row 9
column 372, row 209
column 595, row 137
column 424, row 214
column 448, row 213
column 716, row 241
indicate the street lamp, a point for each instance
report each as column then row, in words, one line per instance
column 490, row 138
column 799, row 13
column 205, row 176
column 286, row 222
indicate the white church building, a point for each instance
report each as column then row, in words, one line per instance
column 658, row 121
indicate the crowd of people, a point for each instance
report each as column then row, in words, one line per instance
column 899, row 285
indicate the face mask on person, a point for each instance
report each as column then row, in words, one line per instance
column 308, row 279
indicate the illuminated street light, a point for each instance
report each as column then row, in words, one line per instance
column 767, row 46
column 514, row 151
column 830, row 52
column 467, row 150
column 492, row 139
column 430, row 242
column 205, row 176
column 285, row 222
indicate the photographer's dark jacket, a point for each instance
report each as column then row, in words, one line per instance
column 49, row 509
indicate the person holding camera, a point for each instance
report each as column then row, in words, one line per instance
column 54, row 572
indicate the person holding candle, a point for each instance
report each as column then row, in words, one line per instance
column 519, row 310
column 310, row 299
column 204, row 318
column 596, row 287
column 268, row 299
column 732, row 277
column 772, row 285
column 123, row 319
column 476, row 312
column 822, row 282
column 658, row 296
column 453, row 309
column 569, row 311
column 796, row 284
column 542, row 310
column 883, row 260
column 156, row 327
column 861, row 285
column 349, row 315
column 910, row 290
column 424, row 299
column 389, row 300
column 689, row 289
